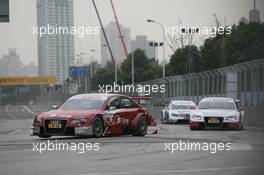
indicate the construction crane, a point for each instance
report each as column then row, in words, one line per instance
column 102, row 27
column 107, row 42
column 119, row 30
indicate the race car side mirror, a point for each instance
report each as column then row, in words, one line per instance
column 112, row 108
column 55, row 106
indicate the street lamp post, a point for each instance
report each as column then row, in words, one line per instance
column 115, row 64
column 132, row 64
column 91, row 68
column 163, row 35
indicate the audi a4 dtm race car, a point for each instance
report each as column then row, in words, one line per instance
column 217, row 113
column 177, row 110
column 94, row 115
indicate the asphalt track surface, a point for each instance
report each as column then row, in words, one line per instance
column 122, row 155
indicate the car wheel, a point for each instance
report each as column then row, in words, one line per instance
column 44, row 136
column 98, row 127
column 161, row 118
column 167, row 120
column 242, row 127
column 193, row 129
column 142, row 127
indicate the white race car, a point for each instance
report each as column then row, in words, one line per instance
column 217, row 113
column 177, row 110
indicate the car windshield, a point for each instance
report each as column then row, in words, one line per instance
column 82, row 104
column 173, row 106
column 217, row 105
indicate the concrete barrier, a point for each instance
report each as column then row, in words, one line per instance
column 254, row 116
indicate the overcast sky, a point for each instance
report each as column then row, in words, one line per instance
column 131, row 13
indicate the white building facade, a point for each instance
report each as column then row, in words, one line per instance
column 55, row 51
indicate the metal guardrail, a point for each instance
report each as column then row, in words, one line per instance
column 243, row 81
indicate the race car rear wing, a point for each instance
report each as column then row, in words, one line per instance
column 142, row 100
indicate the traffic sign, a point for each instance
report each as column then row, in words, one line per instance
column 79, row 71
column 24, row 89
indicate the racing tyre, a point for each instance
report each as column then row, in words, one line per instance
column 142, row 127
column 164, row 118
column 161, row 118
column 242, row 127
column 193, row 129
column 98, row 127
column 167, row 121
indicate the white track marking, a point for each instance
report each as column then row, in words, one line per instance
column 27, row 109
column 12, row 115
column 3, row 122
column 241, row 147
column 15, row 132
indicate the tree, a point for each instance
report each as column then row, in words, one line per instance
column 144, row 68
column 184, row 60
column 245, row 43
column 102, row 76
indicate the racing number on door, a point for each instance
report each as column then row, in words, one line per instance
column 116, row 120
column 122, row 121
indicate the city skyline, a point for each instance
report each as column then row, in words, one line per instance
column 168, row 13
column 12, row 60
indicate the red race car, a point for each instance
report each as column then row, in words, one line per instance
column 94, row 115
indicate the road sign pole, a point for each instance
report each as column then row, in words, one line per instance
column 115, row 73
column 41, row 95
column 79, row 84
column 85, row 84
column 0, row 95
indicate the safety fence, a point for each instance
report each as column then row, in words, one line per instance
column 243, row 81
